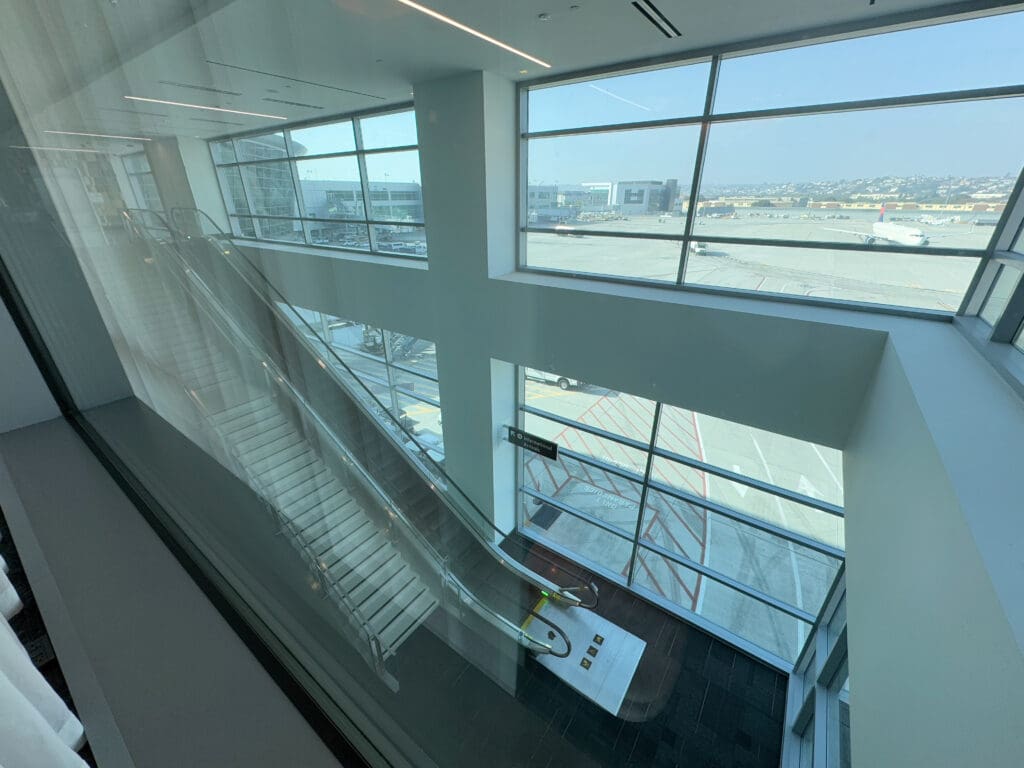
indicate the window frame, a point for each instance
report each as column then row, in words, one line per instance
column 646, row 482
column 1010, row 220
column 302, row 218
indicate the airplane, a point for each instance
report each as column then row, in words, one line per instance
column 888, row 232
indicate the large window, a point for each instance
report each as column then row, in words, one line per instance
column 733, row 524
column 352, row 184
column 882, row 183
column 399, row 370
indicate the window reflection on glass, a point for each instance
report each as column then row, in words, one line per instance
column 636, row 97
column 234, row 193
column 331, row 188
column 378, row 359
column 269, row 146
column 394, row 184
column 223, row 151
column 586, row 540
column 243, row 227
column 1005, row 284
column 270, row 189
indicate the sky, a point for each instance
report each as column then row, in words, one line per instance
column 962, row 139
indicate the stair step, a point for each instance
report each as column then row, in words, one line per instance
column 287, row 466
column 383, row 591
column 265, row 450
column 337, row 543
column 323, row 531
column 223, row 417
column 388, row 566
column 345, row 565
column 340, row 506
column 360, row 575
column 239, row 434
column 310, row 485
column 396, row 606
column 302, row 503
column 262, row 466
column 286, row 481
column 414, row 614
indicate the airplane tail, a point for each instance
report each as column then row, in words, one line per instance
column 881, row 213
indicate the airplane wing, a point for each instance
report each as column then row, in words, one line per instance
column 866, row 237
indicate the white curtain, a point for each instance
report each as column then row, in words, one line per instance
column 10, row 603
column 26, row 739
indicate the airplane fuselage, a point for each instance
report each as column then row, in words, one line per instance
column 898, row 233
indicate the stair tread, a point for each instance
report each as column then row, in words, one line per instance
column 414, row 614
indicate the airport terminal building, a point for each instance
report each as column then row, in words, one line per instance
column 459, row 384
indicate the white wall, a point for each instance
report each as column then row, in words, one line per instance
column 936, row 672
column 24, row 396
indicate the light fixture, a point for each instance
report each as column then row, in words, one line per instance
column 469, row 30
column 59, row 149
column 202, row 106
column 99, row 135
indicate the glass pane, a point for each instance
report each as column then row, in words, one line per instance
column 587, row 444
column 418, row 385
column 234, row 193
column 601, row 494
column 584, row 539
column 243, row 227
column 270, row 188
column 350, row 236
column 896, row 279
column 223, row 151
column 406, row 241
column 331, row 188
column 896, row 64
column 395, row 130
column 322, row 139
column 879, row 177
column 623, row 181
column 787, row 571
column 807, row 747
column 1018, row 245
column 136, row 163
column 395, row 192
column 736, row 612
column 624, row 414
column 418, row 354
column 813, row 470
column 269, row 146
column 807, row 521
column 424, row 421
column 285, row 230
column 615, row 256
column 637, row 97
column 1005, row 285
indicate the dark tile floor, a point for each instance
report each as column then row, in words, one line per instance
column 28, row 626
column 695, row 703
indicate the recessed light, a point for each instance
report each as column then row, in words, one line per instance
column 99, row 135
column 202, row 106
column 523, row 71
column 544, row 16
column 469, row 30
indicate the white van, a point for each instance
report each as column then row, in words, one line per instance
column 699, row 249
column 563, row 382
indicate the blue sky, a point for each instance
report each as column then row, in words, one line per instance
column 968, row 139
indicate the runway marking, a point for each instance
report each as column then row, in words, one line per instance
column 740, row 488
column 797, row 582
column 828, row 469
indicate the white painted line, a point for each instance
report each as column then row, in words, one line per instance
column 797, row 583
column 828, row 469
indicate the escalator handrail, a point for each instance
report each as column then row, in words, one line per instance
column 426, row 549
column 431, row 474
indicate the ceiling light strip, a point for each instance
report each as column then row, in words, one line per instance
column 202, row 106
column 59, row 149
column 98, row 135
column 469, row 30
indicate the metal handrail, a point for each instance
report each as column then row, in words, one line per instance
column 425, row 465
column 370, row 484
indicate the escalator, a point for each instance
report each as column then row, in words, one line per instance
column 387, row 537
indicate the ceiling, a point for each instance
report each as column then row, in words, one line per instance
column 68, row 64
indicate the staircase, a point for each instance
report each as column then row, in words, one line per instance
column 357, row 564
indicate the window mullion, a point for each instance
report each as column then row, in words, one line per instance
column 643, row 493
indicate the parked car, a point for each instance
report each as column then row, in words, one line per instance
column 563, row 382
